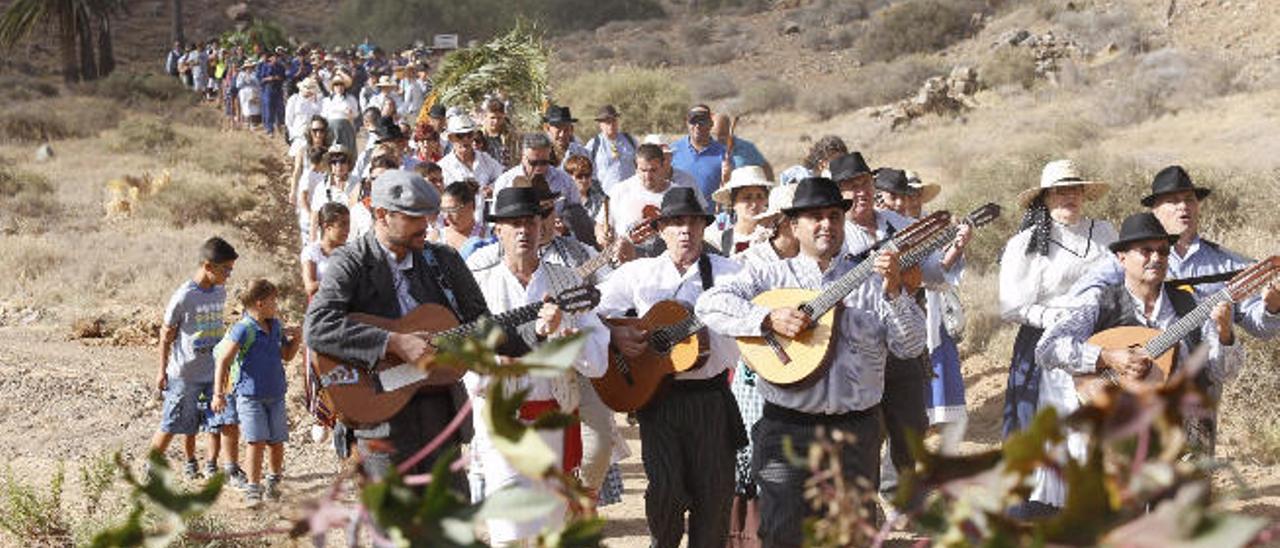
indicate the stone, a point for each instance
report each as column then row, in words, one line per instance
column 790, row 27
column 44, row 153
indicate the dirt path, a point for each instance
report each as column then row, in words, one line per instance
column 71, row 402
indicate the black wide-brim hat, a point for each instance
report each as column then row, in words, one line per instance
column 1172, row 179
column 817, row 192
column 515, row 202
column 848, row 166
column 894, row 181
column 1140, row 227
column 558, row 115
column 681, row 202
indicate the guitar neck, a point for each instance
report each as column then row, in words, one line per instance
column 590, row 266
column 1186, row 324
column 821, row 304
column 510, row 318
column 670, row 335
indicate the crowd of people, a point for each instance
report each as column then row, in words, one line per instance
column 463, row 211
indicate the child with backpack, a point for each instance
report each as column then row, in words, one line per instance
column 251, row 366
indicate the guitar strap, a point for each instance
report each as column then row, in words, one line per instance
column 704, row 270
column 436, row 272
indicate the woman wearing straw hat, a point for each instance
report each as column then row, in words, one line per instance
column 746, row 195
column 341, row 109
column 1057, row 244
column 250, row 94
column 299, row 109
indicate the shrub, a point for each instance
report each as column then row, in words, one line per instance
column 34, row 516
column 1096, row 29
column 711, row 85
column 25, row 124
column 16, row 86
column 185, row 202
column 1164, row 82
column 1009, row 66
column 766, row 95
column 138, row 88
column 915, row 26
column 148, row 135
column 650, row 101
column 712, row 54
column 875, row 84
column 650, row 53
column 28, row 198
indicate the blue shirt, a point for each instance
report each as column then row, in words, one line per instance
column 266, row 69
column 745, row 154
column 261, row 374
column 1203, row 258
column 704, row 166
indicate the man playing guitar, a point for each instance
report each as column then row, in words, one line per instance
column 878, row 319
column 690, row 434
column 388, row 272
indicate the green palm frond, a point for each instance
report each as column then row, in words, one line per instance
column 21, row 19
column 514, row 65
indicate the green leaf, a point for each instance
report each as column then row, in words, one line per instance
column 1025, row 450
column 521, row 445
column 518, row 504
column 130, row 533
column 555, row 421
column 555, row 356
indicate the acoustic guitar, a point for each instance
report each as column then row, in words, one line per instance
column 362, row 396
column 677, row 343
column 638, row 233
column 1162, row 345
column 784, row 361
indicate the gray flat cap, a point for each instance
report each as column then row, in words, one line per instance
column 406, row 192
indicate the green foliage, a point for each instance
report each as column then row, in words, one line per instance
column 435, row 516
column 148, row 135
column 34, row 515
column 261, row 31
column 399, row 23
column 176, row 508
column 916, row 26
column 514, row 65
column 96, row 477
column 649, row 99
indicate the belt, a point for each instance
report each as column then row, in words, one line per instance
column 779, row 413
column 717, row 382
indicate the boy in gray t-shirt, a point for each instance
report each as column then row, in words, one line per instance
column 193, row 324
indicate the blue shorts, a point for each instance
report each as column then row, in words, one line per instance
column 228, row 417
column 186, row 407
column 262, row 419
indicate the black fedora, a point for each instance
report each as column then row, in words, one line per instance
column 894, row 181
column 816, row 192
column 540, row 186
column 558, row 115
column 848, row 166
column 681, row 202
column 1172, row 179
column 388, row 130
column 515, row 202
column 1140, row 227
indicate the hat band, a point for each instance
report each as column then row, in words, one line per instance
column 1069, row 180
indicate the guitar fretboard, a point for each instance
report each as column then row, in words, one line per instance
column 510, row 318
column 668, row 336
column 1186, row 324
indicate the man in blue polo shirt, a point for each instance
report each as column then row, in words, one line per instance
column 698, row 154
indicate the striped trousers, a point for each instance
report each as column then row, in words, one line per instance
column 687, row 443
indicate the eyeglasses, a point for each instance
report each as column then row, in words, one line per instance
column 318, row 129
column 700, row 122
column 1162, row 251
column 336, row 161
column 539, row 163
column 451, row 210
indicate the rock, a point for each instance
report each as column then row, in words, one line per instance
column 44, row 153
column 790, row 27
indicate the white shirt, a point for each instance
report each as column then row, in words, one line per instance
column 414, row 93
column 339, row 107
column 298, row 111
column 484, row 169
column 1034, row 288
column 557, row 179
column 314, row 253
column 642, row 283
column 870, row 327
column 628, row 199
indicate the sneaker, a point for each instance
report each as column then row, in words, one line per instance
column 253, row 495
column 193, row 470
column 236, row 476
column 272, row 486
column 210, row 469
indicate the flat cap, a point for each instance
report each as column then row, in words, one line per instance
column 406, row 192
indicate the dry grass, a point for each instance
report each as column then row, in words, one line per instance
column 878, row 84
column 1009, row 66
column 765, row 95
column 916, row 26
column 711, row 85
column 29, row 202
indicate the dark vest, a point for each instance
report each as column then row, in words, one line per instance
column 1116, row 309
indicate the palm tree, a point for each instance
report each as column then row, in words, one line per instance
column 23, row 16
column 103, row 11
column 177, row 22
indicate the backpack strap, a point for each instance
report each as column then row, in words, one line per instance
column 704, row 270
column 250, row 337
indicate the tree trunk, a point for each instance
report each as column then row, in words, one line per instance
column 84, row 33
column 67, row 43
column 106, row 53
column 177, row 22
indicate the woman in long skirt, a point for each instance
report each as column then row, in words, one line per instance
column 341, row 109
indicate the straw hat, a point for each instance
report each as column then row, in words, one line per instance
column 1060, row 173
column 459, row 123
column 780, row 198
column 385, row 81
column 742, row 177
column 341, row 78
column 928, row 191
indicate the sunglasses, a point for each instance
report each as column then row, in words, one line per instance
column 336, row 161
column 318, row 129
column 539, row 163
column 700, row 122
column 581, row 175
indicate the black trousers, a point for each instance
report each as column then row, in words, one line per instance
column 903, row 407
column 783, row 507
column 687, row 443
column 421, row 420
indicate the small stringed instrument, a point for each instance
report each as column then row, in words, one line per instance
column 362, row 396
column 1162, row 345
column 638, row 233
column 783, row 361
column 677, row 343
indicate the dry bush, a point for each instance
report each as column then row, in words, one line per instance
column 28, row 201
column 876, row 84
column 227, row 154
column 825, row 13
column 1096, row 29
column 148, row 135
column 711, row 85
column 1009, row 66
column 766, row 95
column 17, row 87
column 139, row 89
column 841, row 37
column 192, row 198
column 712, row 54
column 916, row 26
column 1259, row 381
column 649, row 52
column 650, row 101
column 33, row 125
column 1164, row 82
column 697, row 33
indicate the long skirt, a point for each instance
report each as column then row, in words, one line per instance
column 944, row 397
column 1022, row 394
column 751, row 405
column 343, row 132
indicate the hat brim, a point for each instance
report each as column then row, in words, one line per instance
column 709, row 218
column 606, row 118
column 491, row 217
column 1092, row 191
column 468, row 129
column 1150, row 200
column 844, row 205
column 929, row 191
column 721, row 195
column 1122, row 245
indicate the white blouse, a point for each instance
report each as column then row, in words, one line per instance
column 339, row 106
column 1034, row 288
